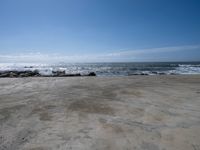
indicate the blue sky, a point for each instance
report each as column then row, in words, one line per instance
column 99, row 30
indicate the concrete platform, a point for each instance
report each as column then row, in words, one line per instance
column 100, row 113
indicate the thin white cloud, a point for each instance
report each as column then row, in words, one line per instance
column 154, row 50
column 122, row 55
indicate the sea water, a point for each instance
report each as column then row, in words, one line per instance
column 108, row 69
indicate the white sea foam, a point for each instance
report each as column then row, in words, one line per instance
column 186, row 69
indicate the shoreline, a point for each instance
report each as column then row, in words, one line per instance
column 35, row 73
column 99, row 69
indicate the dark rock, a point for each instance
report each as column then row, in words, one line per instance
column 28, row 66
column 58, row 73
column 161, row 73
column 136, row 74
column 27, row 73
column 23, row 75
column 154, row 72
column 35, row 73
column 13, row 74
column 4, row 74
column 133, row 74
column 92, row 74
column 173, row 74
column 144, row 74
column 73, row 75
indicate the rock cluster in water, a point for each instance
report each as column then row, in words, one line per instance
column 151, row 73
column 35, row 73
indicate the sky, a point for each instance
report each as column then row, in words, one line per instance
column 99, row 30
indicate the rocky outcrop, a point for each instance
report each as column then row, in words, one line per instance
column 58, row 73
column 13, row 74
column 92, row 74
column 35, row 73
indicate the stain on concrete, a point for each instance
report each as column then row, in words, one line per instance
column 38, row 148
column 6, row 113
column 88, row 106
column 130, row 92
column 43, row 113
column 195, row 147
column 149, row 146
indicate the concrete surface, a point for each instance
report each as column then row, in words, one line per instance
column 100, row 113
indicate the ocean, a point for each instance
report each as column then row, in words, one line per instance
column 108, row 69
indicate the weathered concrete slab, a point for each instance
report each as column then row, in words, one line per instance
column 94, row 113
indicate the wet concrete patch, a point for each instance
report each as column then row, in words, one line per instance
column 38, row 148
column 130, row 92
column 89, row 106
column 149, row 146
column 6, row 113
column 44, row 112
